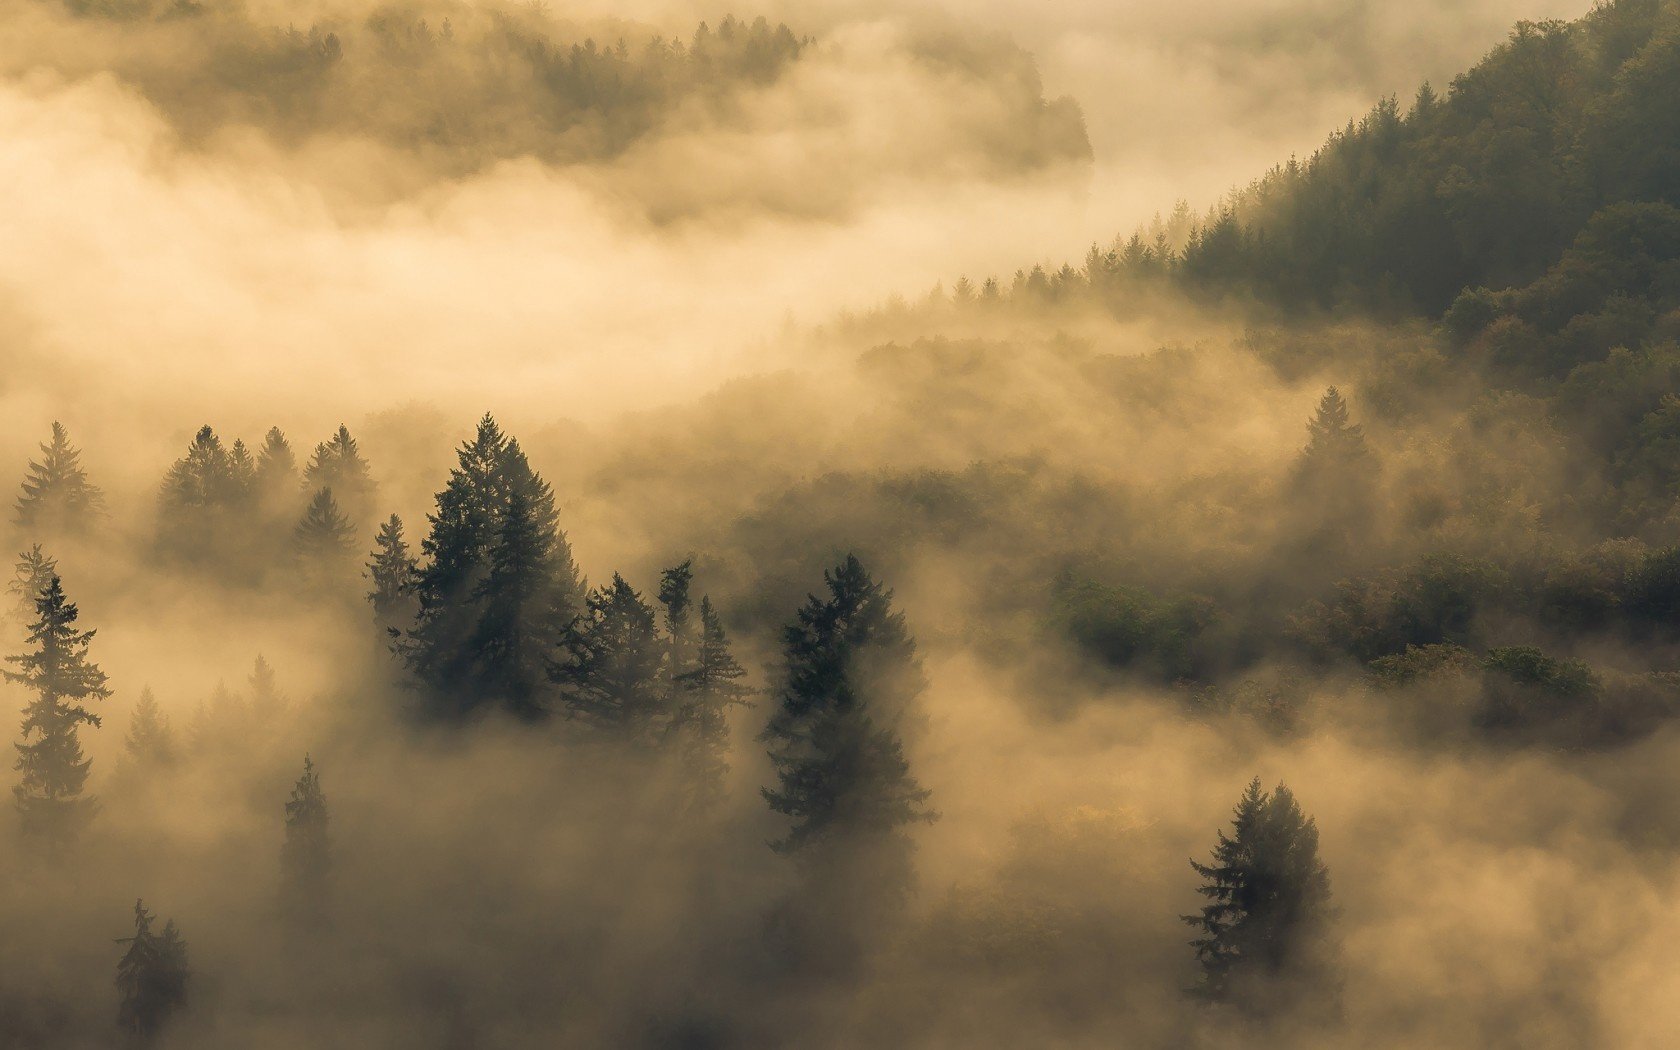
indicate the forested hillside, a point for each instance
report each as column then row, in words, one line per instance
column 1265, row 633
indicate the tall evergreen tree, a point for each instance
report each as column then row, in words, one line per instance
column 1268, row 904
column 324, row 535
column 242, row 471
column 267, row 703
column 848, row 685
column 151, row 976
column 306, row 856
column 57, row 495
column 612, row 675
column 392, row 572
column 477, row 531
column 850, row 678
column 201, row 493
column 510, row 654
column 57, row 669
column 1334, row 442
column 707, row 687
column 337, row 464
column 33, row 571
column 150, row 742
column 276, row 471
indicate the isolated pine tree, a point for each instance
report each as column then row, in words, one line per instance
column 613, row 671
column 337, row 464
column 57, row 670
column 709, row 685
column 150, row 743
column 324, row 535
column 392, row 573
column 306, row 855
column 1268, row 906
column 33, row 571
column 851, row 676
column 151, row 977
column 57, row 496
column 1334, row 442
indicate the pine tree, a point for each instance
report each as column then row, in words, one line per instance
column 323, row 535
column 510, row 656
column 242, row 475
column 706, row 690
column 306, row 856
column 56, row 668
column 613, row 672
column 152, row 977
column 150, row 742
column 338, row 465
column 1269, row 903
column 477, row 531
column 267, row 703
column 276, row 472
column 199, row 492
column 850, row 679
column 57, row 495
column 392, row 572
column 34, row 570
column 1334, row 443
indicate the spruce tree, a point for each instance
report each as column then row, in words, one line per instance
column 392, row 572
column 510, row 654
column 57, row 669
column 306, row 856
column 1334, row 442
column 150, row 742
column 267, row 704
column 612, row 674
column 323, row 535
column 57, row 496
column 1268, row 907
column 199, row 492
column 276, row 470
column 850, row 678
column 151, row 977
column 34, row 570
column 242, row 475
column 849, row 683
column 706, row 689
column 456, row 649
column 337, row 464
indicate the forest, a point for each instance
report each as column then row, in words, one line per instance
column 504, row 557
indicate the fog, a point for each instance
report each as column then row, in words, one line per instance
column 704, row 311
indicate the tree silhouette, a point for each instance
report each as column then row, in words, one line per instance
column 57, row 495
column 324, row 535
column 392, row 573
column 150, row 742
column 151, row 976
column 306, row 856
column 613, row 672
column 34, row 570
column 1268, row 903
column 57, row 669
column 337, row 464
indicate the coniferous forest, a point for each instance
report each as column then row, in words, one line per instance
column 850, row 525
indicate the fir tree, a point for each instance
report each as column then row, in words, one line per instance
column 479, row 530
column 276, row 476
column 150, row 742
column 706, row 689
column 851, row 676
column 323, row 535
column 1269, row 903
column 198, row 493
column 392, row 572
column 613, row 672
column 510, row 655
column 152, row 977
column 34, row 570
column 57, row 669
column 306, row 856
column 242, row 475
column 57, row 495
column 267, row 703
column 337, row 464
column 1334, row 442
